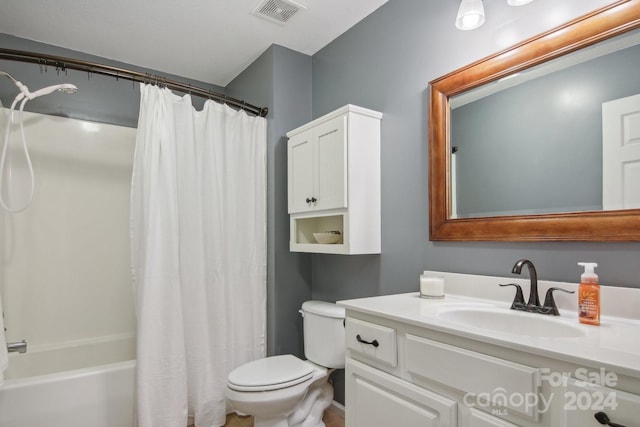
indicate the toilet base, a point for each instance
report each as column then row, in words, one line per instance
column 302, row 405
column 311, row 410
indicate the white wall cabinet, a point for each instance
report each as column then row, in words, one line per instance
column 318, row 167
column 400, row 374
column 333, row 182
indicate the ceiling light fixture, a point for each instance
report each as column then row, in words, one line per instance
column 470, row 15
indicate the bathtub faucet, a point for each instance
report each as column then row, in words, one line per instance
column 17, row 347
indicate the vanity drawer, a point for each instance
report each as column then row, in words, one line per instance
column 583, row 400
column 375, row 398
column 494, row 382
column 371, row 340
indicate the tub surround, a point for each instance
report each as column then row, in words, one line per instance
column 440, row 358
column 66, row 280
column 71, row 355
column 66, row 267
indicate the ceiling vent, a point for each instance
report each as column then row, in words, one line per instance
column 278, row 11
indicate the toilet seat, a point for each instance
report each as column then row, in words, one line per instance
column 270, row 373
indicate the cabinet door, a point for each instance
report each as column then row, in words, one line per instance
column 301, row 170
column 474, row 373
column 582, row 401
column 375, row 398
column 331, row 162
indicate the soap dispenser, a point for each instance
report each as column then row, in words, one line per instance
column 589, row 295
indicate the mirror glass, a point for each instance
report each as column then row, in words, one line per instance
column 563, row 136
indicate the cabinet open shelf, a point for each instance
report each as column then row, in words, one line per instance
column 302, row 229
column 305, row 227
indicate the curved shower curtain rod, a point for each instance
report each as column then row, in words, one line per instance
column 62, row 63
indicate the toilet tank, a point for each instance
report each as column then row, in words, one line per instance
column 324, row 342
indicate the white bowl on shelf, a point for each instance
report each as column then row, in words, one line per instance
column 327, row 238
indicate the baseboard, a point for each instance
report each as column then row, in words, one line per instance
column 336, row 408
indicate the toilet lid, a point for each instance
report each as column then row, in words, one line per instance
column 270, row 373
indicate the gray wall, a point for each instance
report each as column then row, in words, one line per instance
column 99, row 98
column 281, row 79
column 385, row 63
column 537, row 147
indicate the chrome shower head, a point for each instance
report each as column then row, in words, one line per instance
column 68, row 88
column 65, row 87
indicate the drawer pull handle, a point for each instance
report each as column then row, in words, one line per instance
column 374, row 343
column 604, row 420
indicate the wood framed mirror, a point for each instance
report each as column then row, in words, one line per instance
column 619, row 19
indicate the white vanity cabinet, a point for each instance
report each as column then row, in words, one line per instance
column 395, row 377
column 377, row 398
column 333, row 182
column 400, row 373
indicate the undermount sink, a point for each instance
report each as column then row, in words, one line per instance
column 513, row 322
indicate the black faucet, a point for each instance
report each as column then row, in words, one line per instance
column 533, row 304
column 534, row 301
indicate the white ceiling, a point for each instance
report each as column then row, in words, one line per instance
column 207, row 40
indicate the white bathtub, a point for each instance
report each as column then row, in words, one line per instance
column 97, row 396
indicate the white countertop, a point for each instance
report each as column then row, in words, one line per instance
column 614, row 345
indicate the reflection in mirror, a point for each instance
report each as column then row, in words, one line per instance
column 533, row 142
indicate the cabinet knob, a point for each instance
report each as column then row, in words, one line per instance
column 311, row 200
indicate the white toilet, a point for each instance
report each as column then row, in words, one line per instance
column 282, row 391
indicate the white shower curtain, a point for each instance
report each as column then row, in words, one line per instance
column 198, row 233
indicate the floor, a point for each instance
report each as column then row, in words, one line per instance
column 331, row 419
